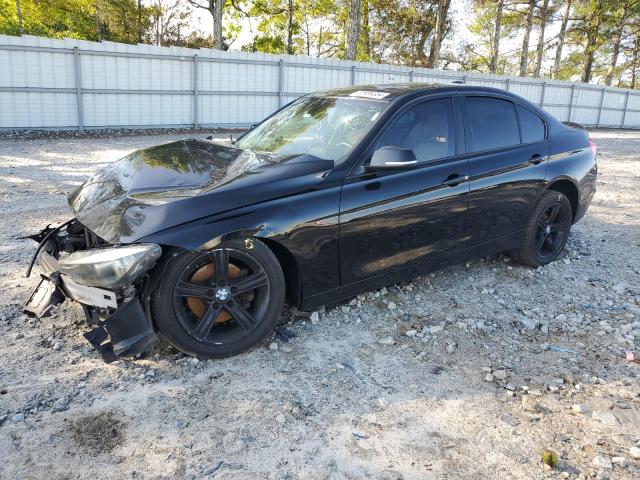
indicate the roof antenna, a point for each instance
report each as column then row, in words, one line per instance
column 231, row 138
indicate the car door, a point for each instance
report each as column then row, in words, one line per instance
column 392, row 219
column 507, row 163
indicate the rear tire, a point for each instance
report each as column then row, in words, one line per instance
column 547, row 230
column 220, row 302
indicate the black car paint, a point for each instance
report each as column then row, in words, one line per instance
column 343, row 229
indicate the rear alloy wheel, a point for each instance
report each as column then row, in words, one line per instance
column 547, row 230
column 220, row 302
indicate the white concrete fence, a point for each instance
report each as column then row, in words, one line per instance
column 74, row 84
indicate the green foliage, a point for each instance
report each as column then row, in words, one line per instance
column 286, row 26
column 51, row 18
column 266, row 44
column 117, row 19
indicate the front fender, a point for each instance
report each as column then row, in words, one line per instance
column 306, row 225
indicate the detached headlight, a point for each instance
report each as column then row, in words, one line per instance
column 110, row 267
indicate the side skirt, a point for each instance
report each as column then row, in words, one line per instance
column 500, row 244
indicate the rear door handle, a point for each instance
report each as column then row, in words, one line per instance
column 455, row 179
column 536, row 159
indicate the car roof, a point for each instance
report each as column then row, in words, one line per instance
column 388, row 92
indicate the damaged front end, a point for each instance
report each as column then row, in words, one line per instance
column 110, row 282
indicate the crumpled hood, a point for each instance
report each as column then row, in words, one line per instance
column 167, row 185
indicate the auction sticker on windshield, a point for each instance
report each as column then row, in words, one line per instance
column 369, row 94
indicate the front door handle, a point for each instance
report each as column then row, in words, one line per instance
column 455, row 179
column 536, row 159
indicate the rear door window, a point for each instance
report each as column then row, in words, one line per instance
column 531, row 125
column 493, row 123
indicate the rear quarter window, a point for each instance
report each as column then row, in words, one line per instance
column 532, row 128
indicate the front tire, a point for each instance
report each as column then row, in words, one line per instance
column 220, row 302
column 547, row 230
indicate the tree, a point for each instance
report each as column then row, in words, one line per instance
column 19, row 14
column 440, row 32
column 524, row 54
column 623, row 12
column 365, row 38
column 491, row 24
column 119, row 20
column 50, row 18
column 590, row 24
column 278, row 26
column 630, row 49
column 216, row 9
column 496, row 37
column 401, row 31
column 544, row 19
column 566, row 10
column 353, row 30
column 170, row 21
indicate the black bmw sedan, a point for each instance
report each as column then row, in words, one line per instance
column 338, row 192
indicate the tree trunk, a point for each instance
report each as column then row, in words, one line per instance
column 617, row 39
column 561, row 36
column 139, row 21
column 524, row 56
column 634, row 63
column 366, row 29
column 421, row 57
column 19, row 12
column 98, row 26
column 158, row 29
column 216, row 9
column 591, row 47
column 438, row 36
column 353, row 29
column 290, row 27
column 544, row 17
column 496, row 37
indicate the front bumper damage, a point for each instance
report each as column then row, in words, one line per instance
column 121, row 325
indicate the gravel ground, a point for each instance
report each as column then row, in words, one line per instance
column 467, row 373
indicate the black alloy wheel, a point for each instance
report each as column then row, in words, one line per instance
column 552, row 230
column 547, row 230
column 222, row 301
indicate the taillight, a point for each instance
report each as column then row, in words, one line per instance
column 593, row 146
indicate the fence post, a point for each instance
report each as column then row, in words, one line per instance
column 353, row 74
column 411, row 76
column 508, row 84
column 78, row 72
column 195, row 91
column 624, row 113
column 603, row 91
column 544, row 88
column 573, row 88
column 280, row 82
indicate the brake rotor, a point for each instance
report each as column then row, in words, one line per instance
column 203, row 275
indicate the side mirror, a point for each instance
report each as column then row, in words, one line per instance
column 392, row 158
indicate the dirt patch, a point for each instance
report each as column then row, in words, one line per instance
column 100, row 432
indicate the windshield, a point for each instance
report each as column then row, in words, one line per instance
column 327, row 127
